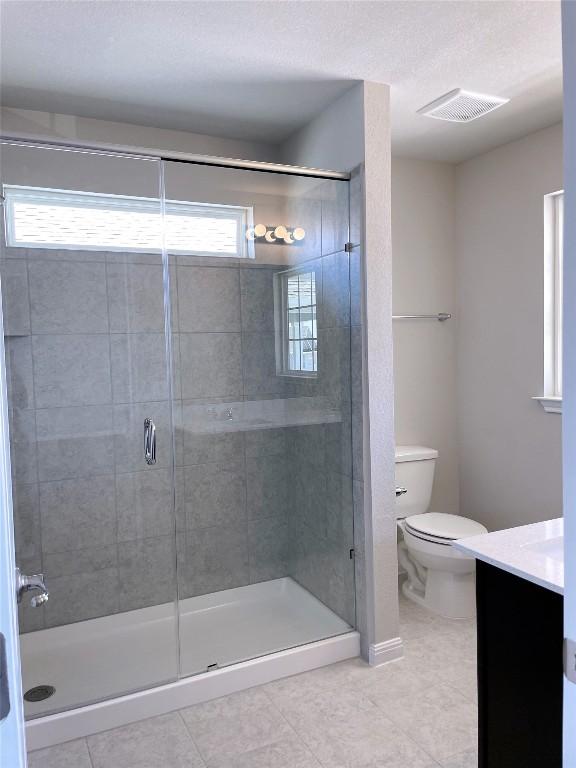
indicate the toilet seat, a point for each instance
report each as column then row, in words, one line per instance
column 442, row 528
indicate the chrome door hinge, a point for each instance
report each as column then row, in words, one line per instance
column 570, row 659
column 348, row 247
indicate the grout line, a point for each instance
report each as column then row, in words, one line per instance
column 189, row 732
column 296, row 733
column 89, row 752
column 36, row 451
column 112, row 448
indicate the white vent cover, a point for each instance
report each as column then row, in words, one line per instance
column 460, row 106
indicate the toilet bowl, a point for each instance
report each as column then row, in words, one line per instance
column 439, row 577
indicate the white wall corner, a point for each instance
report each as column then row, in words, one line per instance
column 384, row 653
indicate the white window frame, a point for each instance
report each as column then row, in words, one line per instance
column 243, row 216
column 551, row 400
column 281, row 322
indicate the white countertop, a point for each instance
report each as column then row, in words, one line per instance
column 533, row 552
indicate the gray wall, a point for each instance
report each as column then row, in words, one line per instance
column 510, row 449
column 345, row 124
column 353, row 134
column 232, row 492
column 424, row 274
column 259, row 505
column 85, row 513
column 87, row 363
column 320, row 466
column 334, row 139
column 51, row 126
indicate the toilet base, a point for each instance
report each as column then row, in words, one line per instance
column 452, row 595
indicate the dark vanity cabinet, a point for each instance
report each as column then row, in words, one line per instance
column 520, row 673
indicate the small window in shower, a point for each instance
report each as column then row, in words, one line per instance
column 51, row 218
column 297, row 333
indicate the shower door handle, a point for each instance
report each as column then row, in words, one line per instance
column 149, row 441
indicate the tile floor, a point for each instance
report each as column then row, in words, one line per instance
column 419, row 712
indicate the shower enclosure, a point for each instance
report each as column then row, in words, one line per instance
column 178, row 362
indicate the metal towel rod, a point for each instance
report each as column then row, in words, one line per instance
column 441, row 317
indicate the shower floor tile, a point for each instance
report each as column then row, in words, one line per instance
column 340, row 716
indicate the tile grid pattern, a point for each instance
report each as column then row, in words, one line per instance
column 68, row 517
column 87, row 364
column 419, row 712
column 79, row 426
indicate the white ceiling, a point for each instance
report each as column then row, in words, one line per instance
column 260, row 70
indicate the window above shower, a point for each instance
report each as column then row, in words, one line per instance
column 51, row 218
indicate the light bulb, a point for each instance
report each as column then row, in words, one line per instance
column 281, row 231
column 250, row 234
column 270, row 236
column 259, row 230
column 298, row 233
column 288, row 238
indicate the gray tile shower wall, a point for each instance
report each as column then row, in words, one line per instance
column 320, row 459
column 230, row 486
column 87, row 363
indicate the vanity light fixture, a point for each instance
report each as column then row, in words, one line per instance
column 279, row 234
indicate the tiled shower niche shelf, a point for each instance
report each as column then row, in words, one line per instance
column 260, row 414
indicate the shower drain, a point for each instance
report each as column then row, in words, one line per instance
column 39, row 693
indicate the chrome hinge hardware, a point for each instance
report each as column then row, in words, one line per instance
column 570, row 659
column 348, row 247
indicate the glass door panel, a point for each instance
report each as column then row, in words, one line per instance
column 261, row 316
column 86, row 353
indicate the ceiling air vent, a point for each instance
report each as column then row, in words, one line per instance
column 460, row 106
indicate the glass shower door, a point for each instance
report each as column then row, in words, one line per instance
column 87, row 365
column 262, row 411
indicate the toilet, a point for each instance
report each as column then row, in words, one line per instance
column 439, row 577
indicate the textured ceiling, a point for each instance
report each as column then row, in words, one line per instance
column 260, row 70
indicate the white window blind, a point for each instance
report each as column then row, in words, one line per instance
column 49, row 218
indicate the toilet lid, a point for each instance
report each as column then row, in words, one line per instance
column 444, row 526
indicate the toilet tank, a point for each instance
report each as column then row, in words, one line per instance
column 415, row 466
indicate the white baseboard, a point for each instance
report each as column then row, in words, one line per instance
column 382, row 653
column 112, row 713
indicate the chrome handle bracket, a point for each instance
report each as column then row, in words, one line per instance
column 149, row 441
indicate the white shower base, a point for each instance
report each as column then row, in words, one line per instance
column 95, row 660
column 242, row 623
